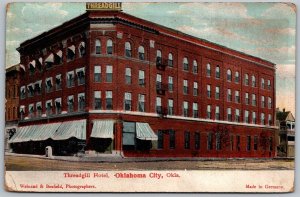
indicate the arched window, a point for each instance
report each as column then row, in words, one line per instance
column 218, row 72
column 253, row 81
column 185, row 64
column 170, row 60
column 195, row 67
column 158, row 57
column 128, row 49
column 246, row 79
column 81, row 49
column 229, row 75
column 98, row 46
column 141, row 53
column 109, row 46
column 237, row 77
column 208, row 70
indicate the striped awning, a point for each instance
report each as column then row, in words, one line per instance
column 70, row 129
column 144, row 132
column 103, row 129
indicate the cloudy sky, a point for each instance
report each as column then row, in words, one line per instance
column 265, row 30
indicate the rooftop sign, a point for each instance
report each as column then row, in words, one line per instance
column 103, row 6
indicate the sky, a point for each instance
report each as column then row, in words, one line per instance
column 265, row 30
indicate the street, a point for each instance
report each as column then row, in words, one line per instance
column 17, row 163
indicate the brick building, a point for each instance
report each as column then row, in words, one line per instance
column 109, row 82
column 11, row 101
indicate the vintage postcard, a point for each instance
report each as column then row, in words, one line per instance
column 150, row 97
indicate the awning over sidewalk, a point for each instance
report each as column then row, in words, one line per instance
column 144, row 132
column 70, row 129
column 23, row 134
column 103, row 129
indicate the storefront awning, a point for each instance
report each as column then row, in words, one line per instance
column 103, row 129
column 23, row 134
column 144, row 132
column 70, row 129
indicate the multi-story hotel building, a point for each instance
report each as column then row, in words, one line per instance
column 107, row 81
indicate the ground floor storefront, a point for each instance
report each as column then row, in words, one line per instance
column 143, row 136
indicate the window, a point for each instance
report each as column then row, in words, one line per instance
column 208, row 90
column 229, row 95
column 141, row 53
column 97, row 74
column 255, row 143
column 218, row 72
column 185, row 108
column 237, row 115
column 269, row 119
column 160, row 139
column 269, row 85
column 197, row 140
column 70, row 79
column 237, row 96
column 31, row 111
column 269, row 103
column 254, row 117
column 247, row 98
column 246, row 113
column 109, row 73
column 32, row 67
column 170, row 60
column 49, row 107
column 262, row 101
column 81, row 49
column 262, row 83
column 229, row 75
column 158, row 82
column 39, row 109
column 58, row 106
column 217, row 92
column 49, row 84
column 208, row 70
column 22, row 112
column 49, row 61
column 170, row 107
column 71, row 53
column 109, row 47
column 185, row 87
column 246, row 79
column 80, row 75
column 109, row 100
column 217, row 115
column 38, row 87
column 229, row 116
column 195, row 90
column 209, row 141
column 238, row 143
column 248, row 143
column 23, row 92
column 158, row 57
column 128, row 76
column 195, row 110
column 98, row 46
column 128, row 49
column 142, row 78
column 170, row 83
column 70, row 103
column 58, row 82
column 253, row 100
column 187, row 140
column 262, row 118
column 81, row 102
column 253, row 81
column 127, row 101
column 97, row 100
column 185, row 64
column 158, row 105
column 141, row 104
column 218, row 141
column 237, row 77
column 195, row 67
column 172, row 139
column 208, row 111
